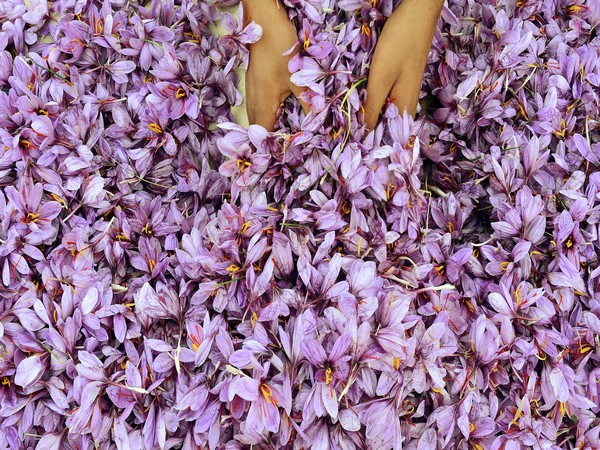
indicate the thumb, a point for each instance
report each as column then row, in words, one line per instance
column 297, row 90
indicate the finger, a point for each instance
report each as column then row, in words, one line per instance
column 265, row 111
column 378, row 88
column 250, row 103
column 297, row 91
column 258, row 103
column 263, row 103
column 405, row 93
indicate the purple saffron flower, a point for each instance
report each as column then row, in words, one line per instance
column 330, row 372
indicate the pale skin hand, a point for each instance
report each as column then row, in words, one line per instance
column 268, row 78
column 400, row 58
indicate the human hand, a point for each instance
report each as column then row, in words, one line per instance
column 400, row 58
column 268, row 77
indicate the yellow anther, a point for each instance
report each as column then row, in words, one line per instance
column 121, row 237
column 346, row 207
column 243, row 165
column 32, row 217
column 306, row 42
column 147, row 230
column 155, row 128
column 195, row 343
column 99, row 26
column 365, row 29
column 234, row 268
column 267, row 393
column 518, row 296
column 390, row 191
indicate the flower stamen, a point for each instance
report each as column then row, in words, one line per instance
column 234, row 268
column 328, row 375
column 243, row 165
column 365, row 29
column 32, row 217
column 147, row 229
column 195, row 343
column 441, row 269
column 267, row 393
column 155, row 128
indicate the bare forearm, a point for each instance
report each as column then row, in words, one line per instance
column 401, row 56
column 268, row 78
column 416, row 24
column 266, row 13
column 430, row 8
column 419, row 19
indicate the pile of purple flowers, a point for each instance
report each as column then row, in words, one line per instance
column 170, row 279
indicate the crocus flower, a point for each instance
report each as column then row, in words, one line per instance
column 30, row 215
column 145, row 40
column 330, row 370
column 181, row 100
column 243, row 164
column 429, row 284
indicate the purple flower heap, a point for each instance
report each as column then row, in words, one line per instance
column 173, row 280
